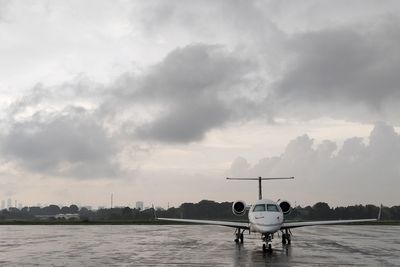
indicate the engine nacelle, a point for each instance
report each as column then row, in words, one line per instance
column 239, row 208
column 285, row 206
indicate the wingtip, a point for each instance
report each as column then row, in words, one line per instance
column 154, row 211
column 380, row 212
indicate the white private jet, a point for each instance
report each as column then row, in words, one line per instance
column 266, row 217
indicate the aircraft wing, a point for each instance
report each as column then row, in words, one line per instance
column 287, row 225
column 240, row 225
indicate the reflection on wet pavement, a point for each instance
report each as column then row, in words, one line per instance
column 195, row 245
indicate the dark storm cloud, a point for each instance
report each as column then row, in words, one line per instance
column 186, row 122
column 194, row 86
column 343, row 66
column 193, row 71
column 343, row 72
column 48, row 131
column 69, row 143
column 344, row 69
column 235, row 24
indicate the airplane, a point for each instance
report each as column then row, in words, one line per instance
column 266, row 217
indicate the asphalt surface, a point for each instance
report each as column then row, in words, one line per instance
column 194, row 245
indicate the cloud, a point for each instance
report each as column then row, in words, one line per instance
column 240, row 16
column 3, row 10
column 69, row 144
column 236, row 68
column 245, row 26
column 337, row 70
column 186, row 122
column 240, row 167
column 332, row 64
column 190, row 92
column 356, row 170
column 65, row 129
column 347, row 71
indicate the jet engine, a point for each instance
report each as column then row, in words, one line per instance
column 285, row 206
column 239, row 208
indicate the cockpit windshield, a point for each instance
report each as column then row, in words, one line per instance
column 269, row 207
column 272, row 207
column 259, row 207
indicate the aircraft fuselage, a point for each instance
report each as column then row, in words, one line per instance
column 265, row 217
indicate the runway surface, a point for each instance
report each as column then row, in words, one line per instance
column 194, row 245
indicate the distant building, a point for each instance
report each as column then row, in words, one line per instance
column 139, row 205
column 20, row 206
column 9, row 203
column 3, row 204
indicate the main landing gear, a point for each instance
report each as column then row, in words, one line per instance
column 267, row 239
column 267, row 246
column 239, row 235
column 286, row 237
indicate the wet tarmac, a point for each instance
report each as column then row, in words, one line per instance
column 194, row 245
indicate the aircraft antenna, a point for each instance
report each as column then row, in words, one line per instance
column 259, row 181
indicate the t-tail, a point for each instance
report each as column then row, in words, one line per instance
column 259, row 181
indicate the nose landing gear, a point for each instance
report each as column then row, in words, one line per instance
column 267, row 246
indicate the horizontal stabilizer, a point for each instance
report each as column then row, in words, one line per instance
column 259, row 178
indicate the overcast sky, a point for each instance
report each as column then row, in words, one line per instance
column 159, row 101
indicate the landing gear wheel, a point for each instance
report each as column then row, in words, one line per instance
column 239, row 236
column 284, row 239
column 267, row 246
column 269, row 249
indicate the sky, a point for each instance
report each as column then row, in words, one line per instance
column 159, row 101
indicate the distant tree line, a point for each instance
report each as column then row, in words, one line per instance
column 205, row 209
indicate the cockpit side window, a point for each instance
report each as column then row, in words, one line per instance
column 272, row 207
column 259, row 207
